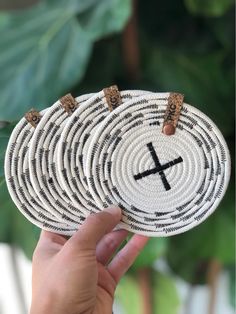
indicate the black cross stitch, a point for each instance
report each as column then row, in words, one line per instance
column 158, row 167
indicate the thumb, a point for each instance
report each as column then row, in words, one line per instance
column 95, row 227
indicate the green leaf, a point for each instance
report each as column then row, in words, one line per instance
column 14, row 227
column 155, row 248
column 204, row 80
column 212, row 8
column 39, row 59
column 106, row 16
column 43, row 58
column 165, row 295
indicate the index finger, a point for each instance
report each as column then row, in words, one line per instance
column 125, row 257
column 95, row 227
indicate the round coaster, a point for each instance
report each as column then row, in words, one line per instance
column 19, row 182
column 75, row 141
column 165, row 184
column 42, row 161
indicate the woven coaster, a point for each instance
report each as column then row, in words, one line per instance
column 75, row 140
column 162, row 161
column 166, row 180
column 42, row 159
column 19, row 182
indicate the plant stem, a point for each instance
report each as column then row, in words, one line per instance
column 146, row 291
column 131, row 54
column 213, row 273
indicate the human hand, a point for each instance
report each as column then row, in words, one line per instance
column 77, row 275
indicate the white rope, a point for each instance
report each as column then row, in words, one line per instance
column 73, row 165
column 20, row 184
column 42, row 155
column 166, row 202
column 74, row 144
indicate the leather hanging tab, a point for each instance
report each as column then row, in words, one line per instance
column 113, row 97
column 69, row 103
column 33, row 117
column 175, row 102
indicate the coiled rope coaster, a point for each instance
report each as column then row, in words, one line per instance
column 75, row 141
column 19, row 181
column 166, row 165
column 42, row 157
column 162, row 161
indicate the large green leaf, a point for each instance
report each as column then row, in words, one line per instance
column 209, row 7
column 104, row 17
column 44, row 57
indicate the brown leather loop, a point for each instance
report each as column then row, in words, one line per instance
column 174, row 106
column 113, row 97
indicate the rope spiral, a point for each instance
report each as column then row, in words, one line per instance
column 84, row 154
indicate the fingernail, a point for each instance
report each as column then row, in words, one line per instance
column 114, row 210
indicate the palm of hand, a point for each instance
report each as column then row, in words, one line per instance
column 76, row 275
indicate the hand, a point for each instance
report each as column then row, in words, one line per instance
column 77, row 275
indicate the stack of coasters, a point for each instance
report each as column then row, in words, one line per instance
column 162, row 161
column 75, row 141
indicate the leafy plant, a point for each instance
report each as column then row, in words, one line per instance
column 209, row 7
column 50, row 45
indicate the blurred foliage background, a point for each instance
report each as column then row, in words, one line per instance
column 48, row 48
